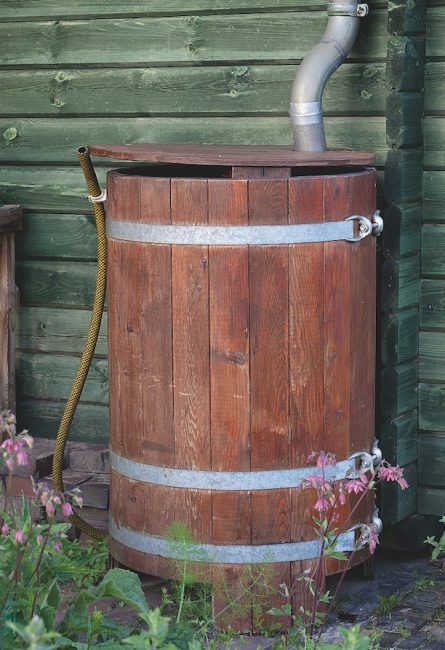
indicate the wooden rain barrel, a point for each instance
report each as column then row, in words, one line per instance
column 232, row 359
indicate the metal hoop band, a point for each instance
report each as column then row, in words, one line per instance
column 224, row 554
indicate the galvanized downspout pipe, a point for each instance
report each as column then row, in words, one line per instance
column 315, row 70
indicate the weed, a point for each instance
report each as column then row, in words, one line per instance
column 404, row 631
column 423, row 583
column 387, row 603
column 438, row 545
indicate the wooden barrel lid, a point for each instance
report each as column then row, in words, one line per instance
column 232, row 155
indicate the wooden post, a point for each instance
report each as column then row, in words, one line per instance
column 10, row 221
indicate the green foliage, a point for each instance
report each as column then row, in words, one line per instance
column 82, row 564
column 353, row 639
column 438, row 545
column 387, row 603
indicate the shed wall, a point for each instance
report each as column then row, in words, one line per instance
column 432, row 292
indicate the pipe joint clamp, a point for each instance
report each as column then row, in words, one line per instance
column 304, row 113
column 351, row 9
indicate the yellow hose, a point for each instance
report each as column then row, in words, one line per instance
column 93, row 332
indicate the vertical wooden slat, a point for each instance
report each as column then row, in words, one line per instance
column 269, row 331
column 158, row 444
column 125, row 292
column 269, row 348
column 306, row 330
column 306, row 362
column 363, row 331
column 230, row 383
column 337, row 297
column 191, row 371
column 190, row 299
column 229, row 332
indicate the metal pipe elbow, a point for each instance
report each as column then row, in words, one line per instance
column 316, row 69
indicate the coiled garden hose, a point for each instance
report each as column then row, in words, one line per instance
column 93, row 332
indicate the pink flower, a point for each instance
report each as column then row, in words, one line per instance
column 22, row 458
column 50, row 509
column 77, row 500
column 57, row 546
column 355, row 485
column 321, row 504
column 323, row 458
column 313, row 481
column 27, row 439
column 67, row 509
column 39, row 539
column 5, row 529
column 341, row 497
column 390, row 473
column 19, row 536
column 8, row 445
column 373, row 541
column 10, row 464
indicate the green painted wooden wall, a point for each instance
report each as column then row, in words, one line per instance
column 431, row 500
column 178, row 71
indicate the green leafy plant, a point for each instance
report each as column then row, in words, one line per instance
column 387, row 603
column 331, row 493
column 438, row 545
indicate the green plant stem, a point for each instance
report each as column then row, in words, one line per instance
column 39, row 557
column 182, row 591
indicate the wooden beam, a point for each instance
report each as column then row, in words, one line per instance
column 398, row 439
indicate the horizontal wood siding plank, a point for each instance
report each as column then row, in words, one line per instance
column 190, row 39
column 432, row 460
column 228, row 90
column 434, row 141
column 434, row 196
column 49, row 376
column 37, row 9
column 435, row 30
column 43, row 329
column 62, row 236
column 69, row 284
column 42, row 418
column 431, row 407
column 433, row 250
column 47, row 140
column 430, row 501
column 432, row 356
column 432, row 303
column 434, row 83
column 53, row 189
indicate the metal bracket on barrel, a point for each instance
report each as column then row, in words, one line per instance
column 369, row 460
column 372, row 226
column 375, row 527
